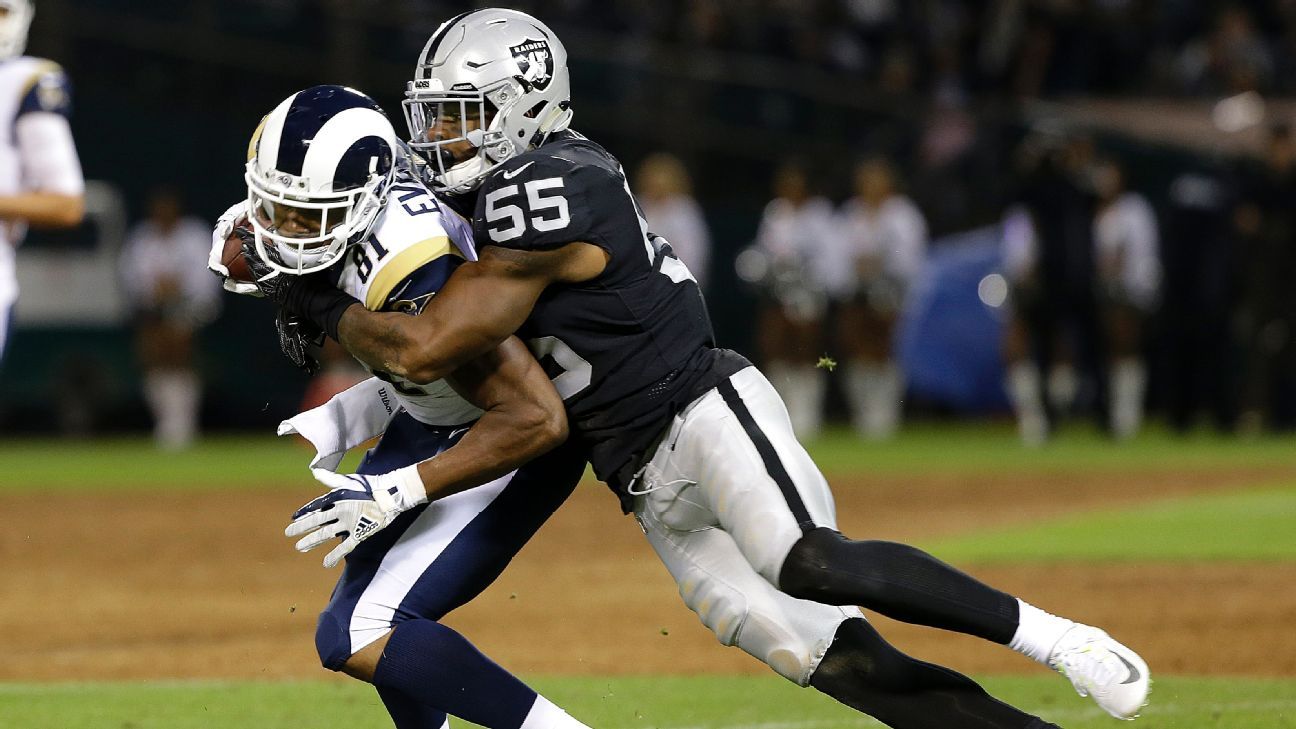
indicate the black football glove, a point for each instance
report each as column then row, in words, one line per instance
column 310, row 299
column 296, row 337
column 272, row 284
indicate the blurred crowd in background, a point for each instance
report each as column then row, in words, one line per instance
column 957, row 49
column 901, row 209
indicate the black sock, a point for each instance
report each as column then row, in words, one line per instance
column 866, row 673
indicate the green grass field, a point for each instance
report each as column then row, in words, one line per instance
column 702, row 702
column 1251, row 524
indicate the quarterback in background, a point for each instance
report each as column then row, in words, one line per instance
column 40, row 175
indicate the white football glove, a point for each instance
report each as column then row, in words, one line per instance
column 356, row 508
column 225, row 226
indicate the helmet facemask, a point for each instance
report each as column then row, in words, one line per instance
column 460, row 134
column 298, row 231
column 319, row 168
column 490, row 84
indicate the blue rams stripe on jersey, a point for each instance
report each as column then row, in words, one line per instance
column 51, row 92
column 420, row 285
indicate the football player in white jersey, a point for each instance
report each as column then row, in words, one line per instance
column 695, row 441
column 40, row 175
column 326, row 194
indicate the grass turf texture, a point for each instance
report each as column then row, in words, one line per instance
column 260, row 461
column 1252, row 524
column 701, row 702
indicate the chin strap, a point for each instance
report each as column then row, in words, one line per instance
column 556, row 119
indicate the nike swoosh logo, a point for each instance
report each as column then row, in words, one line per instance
column 1134, row 674
column 510, row 174
column 474, row 64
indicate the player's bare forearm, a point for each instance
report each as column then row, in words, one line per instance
column 43, row 209
column 523, row 418
column 480, row 306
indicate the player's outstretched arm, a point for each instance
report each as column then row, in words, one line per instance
column 523, row 418
column 480, row 306
column 43, row 209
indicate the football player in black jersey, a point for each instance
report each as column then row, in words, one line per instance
column 691, row 437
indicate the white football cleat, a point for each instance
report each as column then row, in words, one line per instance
column 1114, row 676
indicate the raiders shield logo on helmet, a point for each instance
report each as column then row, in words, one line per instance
column 534, row 61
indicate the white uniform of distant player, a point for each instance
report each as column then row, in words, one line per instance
column 1129, row 268
column 893, row 235
column 796, row 237
column 40, row 176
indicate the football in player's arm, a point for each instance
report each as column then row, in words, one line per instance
column 521, row 416
column 325, row 197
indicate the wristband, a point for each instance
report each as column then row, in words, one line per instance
column 322, row 306
column 410, row 486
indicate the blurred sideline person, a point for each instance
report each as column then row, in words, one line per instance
column 171, row 297
column 796, row 234
column 1266, row 311
column 693, row 440
column 665, row 193
column 327, row 194
column 1200, row 260
column 1048, row 257
column 40, row 175
column 884, row 241
column 338, row 371
column 1129, row 280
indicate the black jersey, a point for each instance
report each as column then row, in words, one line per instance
column 628, row 349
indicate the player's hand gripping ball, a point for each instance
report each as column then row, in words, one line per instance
column 232, row 257
column 227, row 258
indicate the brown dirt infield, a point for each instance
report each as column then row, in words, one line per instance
column 204, row 585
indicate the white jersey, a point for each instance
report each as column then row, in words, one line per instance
column 894, row 235
column 414, row 246
column 177, row 256
column 805, row 233
column 1125, row 236
column 36, row 149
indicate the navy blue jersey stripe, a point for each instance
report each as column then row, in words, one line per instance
column 773, row 466
column 52, row 93
column 420, row 285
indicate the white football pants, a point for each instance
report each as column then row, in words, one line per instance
column 722, row 500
